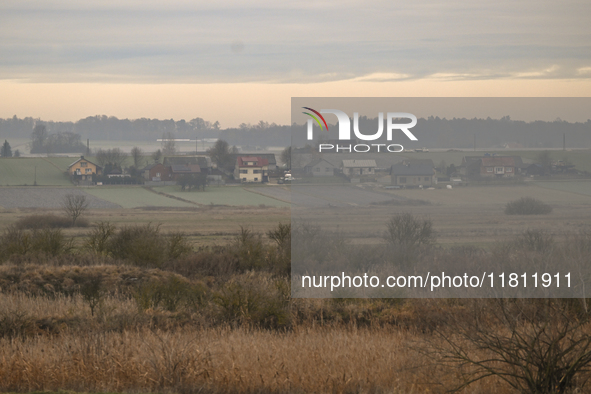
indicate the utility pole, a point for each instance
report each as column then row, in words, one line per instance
column 35, row 183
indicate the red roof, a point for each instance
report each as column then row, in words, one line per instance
column 258, row 161
column 498, row 161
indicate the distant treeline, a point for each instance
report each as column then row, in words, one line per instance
column 432, row 132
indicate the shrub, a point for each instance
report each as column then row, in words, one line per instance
column 254, row 299
column 47, row 241
column 249, row 249
column 535, row 240
column 98, row 238
column 527, row 206
column 48, row 221
column 51, row 242
column 536, row 346
column 170, row 294
column 146, row 246
column 407, row 231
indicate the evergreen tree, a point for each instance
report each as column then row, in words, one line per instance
column 6, row 151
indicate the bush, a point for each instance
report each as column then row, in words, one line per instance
column 254, row 299
column 47, row 221
column 170, row 294
column 98, row 238
column 407, row 231
column 47, row 241
column 535, row 240
column 142, row 245
column 527, row 206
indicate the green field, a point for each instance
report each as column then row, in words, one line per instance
column 21, row 171
column 225, row 195
column 135, row 197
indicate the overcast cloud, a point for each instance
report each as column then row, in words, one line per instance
column 270, row 41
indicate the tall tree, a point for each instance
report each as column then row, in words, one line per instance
column 6, row 151
column 545, row 161
column 286, row 157
column 168, row 144
column 74, row 205
column 138, row 156
column 39, row 139
column 156, row 156
column 220, row 154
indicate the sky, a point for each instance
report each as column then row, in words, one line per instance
column 242, row 61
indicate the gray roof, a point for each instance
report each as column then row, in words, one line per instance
column 359, row 163
column 317, row 161
column 413, row 167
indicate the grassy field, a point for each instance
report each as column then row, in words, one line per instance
column 21, row 171
column 135, row 197
column 225, row 195
column 580, row 187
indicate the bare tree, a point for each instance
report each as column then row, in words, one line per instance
column 168, row 144
column 138, row 156
column 156, row 156
column 534, row 345
column 116, row 157
column 74, row 205
column 286, row 157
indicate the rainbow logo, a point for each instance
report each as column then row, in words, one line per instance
column 315, row 118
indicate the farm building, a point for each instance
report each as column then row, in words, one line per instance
column 270, row 157
column 413, row 173
column 157, row 172
column 359, row 167
column 319, row 167
column 204, row 162
column 177, row 170
column 83, row 169
column 491, row 166
column 251, row 169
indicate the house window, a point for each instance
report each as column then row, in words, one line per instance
column 402, row 179
column 499, row 170
column 83, row 164
column 89, row 170
column 157, row 175
column 509, row 169
column 489, row 169
column 257, row 171
column 426, row 179
column 244, row 179
column 316, row 169
column 244, row 171
column 256, row 179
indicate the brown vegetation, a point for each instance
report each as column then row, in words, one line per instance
column 135, row 309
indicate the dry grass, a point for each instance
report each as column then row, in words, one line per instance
column 223, row 360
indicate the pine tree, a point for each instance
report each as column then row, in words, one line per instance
column 6, row 151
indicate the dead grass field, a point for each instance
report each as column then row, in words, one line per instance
column 309, row 358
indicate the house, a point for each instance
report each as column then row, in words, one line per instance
column 176, row 170
column 204, row 162
column 115, row 173
column 359, row 167
column 270, row 157
column 491, row 166
column 157, row 172
column 83, row 169
column 251, row 169
column 411, row 173
column 319, row 167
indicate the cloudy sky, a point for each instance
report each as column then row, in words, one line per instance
column 241, row 61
